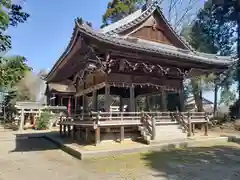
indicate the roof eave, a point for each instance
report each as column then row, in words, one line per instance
column 108, row 39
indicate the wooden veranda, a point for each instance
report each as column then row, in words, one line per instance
column 121, row 122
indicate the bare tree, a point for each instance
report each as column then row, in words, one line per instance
column 180, row 12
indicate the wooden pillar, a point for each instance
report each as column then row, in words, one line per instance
column 75, row 104
column 163, row 100
column 121, row 105
column 69, row 130
column 121, row 134
column 148, row 103
column 64, row 129
column 121, row 130
column 60, row 129
column 181, row 98
column 107, row 98
column 132, row 99
column 53, row 101
column 86, row 134
column 97, row 135
column 189, row 126
column 73, row 135
column 193, row 129
column 153, row 128
column 206, row 129
column 94, row 100
column 21, row 120
column 61, row 101
column 83, row 104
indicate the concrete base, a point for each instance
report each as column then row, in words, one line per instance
column 81, row 154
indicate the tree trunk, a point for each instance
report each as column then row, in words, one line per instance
column 215, row 100
column 198, row 100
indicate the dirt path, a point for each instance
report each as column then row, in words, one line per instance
column 38, row 159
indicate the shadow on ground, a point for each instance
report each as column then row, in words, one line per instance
column 25, row 141
column 221, row 161
column 217, row 162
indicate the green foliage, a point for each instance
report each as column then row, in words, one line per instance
column 233, row 109
column 43, row 121
column 118, row 9
column 12, row 70
column 10, row 15
column 227, row 97
column 209, row 34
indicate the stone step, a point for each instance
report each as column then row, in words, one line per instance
column 170, row 132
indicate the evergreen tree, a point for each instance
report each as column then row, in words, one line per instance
column 209, row 34
column 10, row 15
column 228, row 12
column 118, row 9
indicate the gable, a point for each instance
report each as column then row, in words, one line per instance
column 155, row 29
column 152, row 31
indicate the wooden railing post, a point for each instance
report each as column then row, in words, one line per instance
column 73, row 132
column 97, row 130
column 206, row 125
column 121, row 129
column 189, row 125
column 142, row 116
column 69, row 130
column 64, row 129
column 60, row 128
column 153, row 128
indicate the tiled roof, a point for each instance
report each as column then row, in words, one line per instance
column 158, row 48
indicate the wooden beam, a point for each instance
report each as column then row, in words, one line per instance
column 91, row 89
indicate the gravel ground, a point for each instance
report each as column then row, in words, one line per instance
column 37, row 159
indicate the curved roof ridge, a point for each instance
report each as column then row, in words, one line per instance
column 137, row 18
column 132, row 19
column 213, row 55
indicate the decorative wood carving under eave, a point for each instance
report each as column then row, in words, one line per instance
column 127, row 66
column 93, row 63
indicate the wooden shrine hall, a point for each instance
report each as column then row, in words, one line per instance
column 134, row 58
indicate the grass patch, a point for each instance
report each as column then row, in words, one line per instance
column 133, row 164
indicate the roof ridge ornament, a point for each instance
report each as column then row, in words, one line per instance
column 149, row 2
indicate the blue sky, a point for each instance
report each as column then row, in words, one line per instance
column 43, row 38
column 46, row 34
